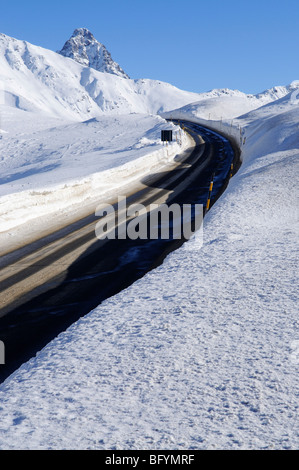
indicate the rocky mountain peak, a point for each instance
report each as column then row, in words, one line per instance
column 86, row 50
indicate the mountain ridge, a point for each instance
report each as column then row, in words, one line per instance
column 40, row 80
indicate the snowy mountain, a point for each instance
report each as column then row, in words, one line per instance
column 86, row 50
column 39, row 80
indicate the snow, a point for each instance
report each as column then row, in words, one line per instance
column 225, row 104
column 55, row 171
column 36, row 79
column 202, row 352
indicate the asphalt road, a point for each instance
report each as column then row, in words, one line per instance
column 50, row 283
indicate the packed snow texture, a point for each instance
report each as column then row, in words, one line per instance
column 202, row 352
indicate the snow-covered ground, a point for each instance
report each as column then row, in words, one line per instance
column 202, row 352
column 60, row 172
column 35, row 79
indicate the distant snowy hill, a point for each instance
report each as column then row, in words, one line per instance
column 229, row 104
column 86, row 50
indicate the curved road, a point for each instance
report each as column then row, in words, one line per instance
column 49, row 284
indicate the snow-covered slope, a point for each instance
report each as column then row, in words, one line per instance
column 39, row 80
column 229, row 104
column 55, row 172
column 87, row 51
column 36, row 79
column 272, row 128
column 203, row 352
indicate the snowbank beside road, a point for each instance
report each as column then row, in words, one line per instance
column 274, row 125
column 61, row 171
column 202, row 352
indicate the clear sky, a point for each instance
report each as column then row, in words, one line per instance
column 193, row 44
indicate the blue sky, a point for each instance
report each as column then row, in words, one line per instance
column 195, row 45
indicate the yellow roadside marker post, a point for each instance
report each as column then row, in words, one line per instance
column 231, row 170
column 210, row 193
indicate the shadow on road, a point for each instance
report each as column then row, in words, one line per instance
column 108, row 267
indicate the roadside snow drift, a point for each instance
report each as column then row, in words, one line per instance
column 60, row 169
